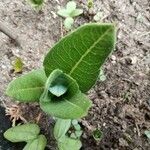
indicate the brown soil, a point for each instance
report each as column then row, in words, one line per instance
column 121, row 104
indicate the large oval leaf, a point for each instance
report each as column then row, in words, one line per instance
column 37, row 144
column 61, row 128
column 82, row 53
column 28, row 87
column 67, row 108
column 22, row 133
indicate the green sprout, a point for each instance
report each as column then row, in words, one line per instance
column 90, row 4
column 36, row 4
column 97, row 134
column 69, row 13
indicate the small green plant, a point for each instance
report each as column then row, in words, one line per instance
column 98, row 16
column 97, row 134
column 69, row 70
column 69, row 13
column 90, row 4
column 64, row 137
column 17, row 65
column 102, row 76
column 36, row 4
column 28, row 133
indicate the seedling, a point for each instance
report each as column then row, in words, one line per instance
column 17, row 65
column 98, row 16
column 97, row 134
column 70, row 69
column 61, row 134
column 28, row 133
column 69, row 13
column 102, row 76
column 36, row 4
column 90, row 4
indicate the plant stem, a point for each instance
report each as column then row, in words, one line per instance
column 10, row 32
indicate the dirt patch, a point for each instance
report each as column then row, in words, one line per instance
column 121, row 104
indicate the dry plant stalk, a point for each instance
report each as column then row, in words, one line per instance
column 10, row 32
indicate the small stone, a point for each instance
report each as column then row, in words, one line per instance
column 113, row 57
column 131, row 60
column 123, row 142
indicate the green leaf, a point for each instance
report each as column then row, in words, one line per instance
column 76, row 12
column 82, row 53
column 58, row 90
column 147, row 133
column 68, row 23
column 22, row 133
column 77, row 104
column 36, row 4
column 90, row 4
column 63, row 13
column 67, row 108
column 98, row 16
column 61, row 128
column 28, row 87
column 102, row 76
column 69, row 144
column 36, row 144
column 17, row 65
column 71, row 6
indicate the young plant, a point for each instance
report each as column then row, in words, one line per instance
column 17, row 65
column 36, row 4
column 62, row 137
column 69, row 13
column 28, row 133
column 71, row 68
column 97, row 134
column 90, row 4
column 102, row 76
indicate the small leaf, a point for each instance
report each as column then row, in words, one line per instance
column 69, row 144
column 90, row 3
column 76, row 12
column 74, row 122
column 82, row 53
column 97, row 134
column 63, row 13
column 147, row 133
column 102, row 76
column 28, row 87
column 58, row 90
column 71, row 6
column 78, row 133
column 77, row 104
column 22, row 133
column 17, row 65
column 68, row 23
column 77, row 127
column 98, row 16
column 37, row 144
column 61, row 128
column 36, row 4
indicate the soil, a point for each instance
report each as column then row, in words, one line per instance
column 121, row 103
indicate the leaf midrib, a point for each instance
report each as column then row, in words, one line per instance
column 88, row 51
column 25, row 89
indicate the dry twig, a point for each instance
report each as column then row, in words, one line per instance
column 10, row 32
